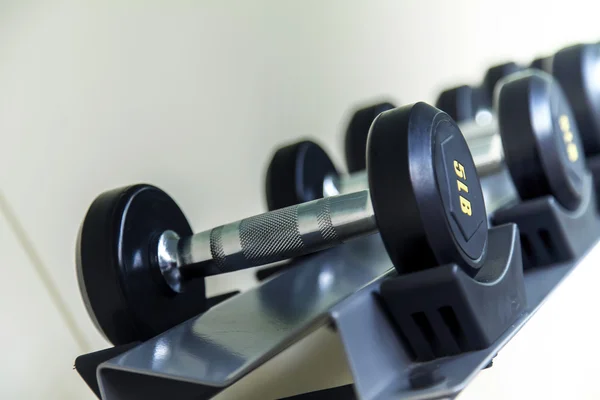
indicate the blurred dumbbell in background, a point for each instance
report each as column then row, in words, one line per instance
column 355, row 140
column 303, row 171
column 466, row 102
column 532, row 133
column 576, row 68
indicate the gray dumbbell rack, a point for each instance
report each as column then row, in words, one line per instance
column 400, row 341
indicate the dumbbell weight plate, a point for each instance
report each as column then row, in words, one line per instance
column 543, row 64
column 121, row 297
column 577, row 69
column 296, row 174
column 459, row 103
column 356, row 135
column 420, row 169
column 530, row 109
column 495, row 74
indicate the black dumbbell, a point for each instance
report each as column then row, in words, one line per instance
column 355, row 141
column 466, row 103
column 141, row 269
column 303, row 172
column 527, row 125
column 494, row 75
column 542, row 63
column 539, row 136
column 577, row 69
column 462, row 103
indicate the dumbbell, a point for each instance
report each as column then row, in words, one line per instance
column 466, row 103
column 303, row 171
column 542, row 63
column 577, row 69
column 534, row 127
column 462, row 103
column 141, row 270
column 540, row 140
column 494, row 75
column 309, row 161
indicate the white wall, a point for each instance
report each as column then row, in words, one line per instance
column 193, row 97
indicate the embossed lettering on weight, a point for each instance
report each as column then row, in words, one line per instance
column 465, row 205
column 565, row 127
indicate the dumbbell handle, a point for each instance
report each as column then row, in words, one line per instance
column 273, row 236
column 485, row 144
column 354, row 182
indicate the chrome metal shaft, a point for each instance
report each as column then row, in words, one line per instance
column 485, row 144
column 354, row 182
column 273, row 236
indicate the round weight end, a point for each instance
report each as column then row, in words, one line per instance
column 495, row 74
column 540, row 138
column 357, row 135
column 425, row 190
column 297, row 173
column 542, row 63
column 459, row 103
column 121, row 285
column 577, row 69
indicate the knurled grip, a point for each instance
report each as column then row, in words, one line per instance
column 273, row 236
column 265, row 237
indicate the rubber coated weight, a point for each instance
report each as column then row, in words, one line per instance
column 121, row 285
column 540, row 138
column 577, row 69
column 543, row 64
column 459, row 103
column 357, row 133
column 425, row 190
column 495, row 74
column 296, row 174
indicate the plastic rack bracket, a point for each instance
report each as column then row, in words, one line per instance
column 551, row 234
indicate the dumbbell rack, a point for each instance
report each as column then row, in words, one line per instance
column 341, row 287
